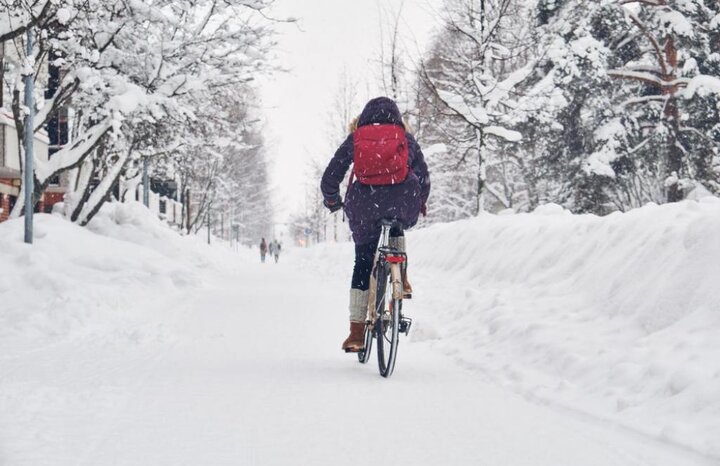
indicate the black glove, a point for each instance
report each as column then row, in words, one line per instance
column 333, row 205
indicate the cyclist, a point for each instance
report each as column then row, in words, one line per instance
column 389, row 180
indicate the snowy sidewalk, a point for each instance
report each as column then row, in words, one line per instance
column 249, row 371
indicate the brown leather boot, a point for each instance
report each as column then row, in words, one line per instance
column 356, row 340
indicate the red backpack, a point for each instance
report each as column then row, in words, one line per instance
column 380, row 155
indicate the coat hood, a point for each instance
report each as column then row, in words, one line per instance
column 381, row 110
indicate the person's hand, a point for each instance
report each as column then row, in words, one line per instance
column 333, row 205
column 423, row 209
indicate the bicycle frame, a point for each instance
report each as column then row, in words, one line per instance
column 384, row 313
column 397, row 261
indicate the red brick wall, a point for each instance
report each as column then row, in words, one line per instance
column 47, row 201
column 45, row 204
column 50, row 199
column 5, row 205
column 5, row 202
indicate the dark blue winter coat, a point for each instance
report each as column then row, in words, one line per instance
column 366, row 205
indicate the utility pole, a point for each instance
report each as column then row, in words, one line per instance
column 29, row 136
column 146, row 183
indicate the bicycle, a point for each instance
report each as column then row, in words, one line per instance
column 385, row 320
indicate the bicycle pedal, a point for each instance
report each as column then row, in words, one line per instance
column 405, row 324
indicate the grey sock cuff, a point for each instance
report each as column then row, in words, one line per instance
column 358, row 305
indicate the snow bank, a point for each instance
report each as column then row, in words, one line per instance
column 80, row 282
column 614, row 316
column 132, row 222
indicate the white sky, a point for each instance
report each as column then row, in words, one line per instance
column 331, row 36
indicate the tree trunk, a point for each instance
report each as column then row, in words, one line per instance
column 98, row 205
column 85, row 175
column 186, row 210
column 102, row 192
column 481, row 173
column 674, row 154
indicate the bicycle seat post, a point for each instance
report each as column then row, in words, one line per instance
column 385, row 236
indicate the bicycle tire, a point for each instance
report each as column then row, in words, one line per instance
column 364, row 354
column 386, row 330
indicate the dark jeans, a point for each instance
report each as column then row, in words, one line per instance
column 364, row 257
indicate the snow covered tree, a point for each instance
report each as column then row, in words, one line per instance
column 615, row 102
column 475, row 63
column 393, row 69
column 123, row 91
column 618, row 68
column 568, row 98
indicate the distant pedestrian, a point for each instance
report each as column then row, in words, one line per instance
column 276, row 250
column 263, row 250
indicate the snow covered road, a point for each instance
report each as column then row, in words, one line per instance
column 248, row 371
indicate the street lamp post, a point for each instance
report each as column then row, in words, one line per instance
column 29, row 136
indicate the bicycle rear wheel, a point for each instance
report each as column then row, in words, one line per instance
column 388, row 322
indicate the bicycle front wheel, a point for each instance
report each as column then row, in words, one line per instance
column 388, row 322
